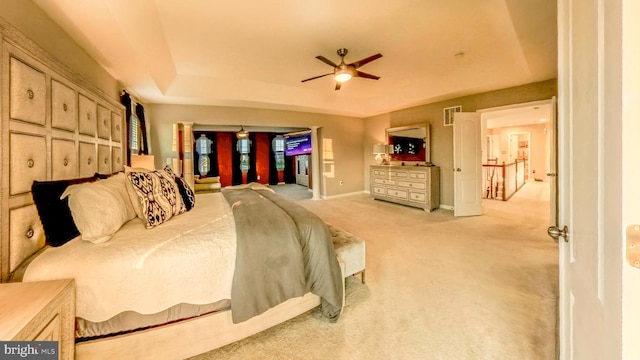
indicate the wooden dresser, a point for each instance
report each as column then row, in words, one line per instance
column 417, row 186
column 43, row 310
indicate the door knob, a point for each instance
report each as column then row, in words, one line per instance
column 458, row 169
column 551, row 174
column 555, row 232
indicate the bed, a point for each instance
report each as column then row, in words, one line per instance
column 57, row 127
column 240, row 254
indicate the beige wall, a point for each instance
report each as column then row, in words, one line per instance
column 340, row 137
column 29, row 19
column 442, row 136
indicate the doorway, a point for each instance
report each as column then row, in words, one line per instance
column 524, row 133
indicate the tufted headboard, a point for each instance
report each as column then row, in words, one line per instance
column 54, row 126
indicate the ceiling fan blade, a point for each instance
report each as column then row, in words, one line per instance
column 315, row 77
column 365, row 75
column 365, row 61
column 338, row 84
column 326, row 61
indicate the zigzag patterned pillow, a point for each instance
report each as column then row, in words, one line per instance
column 159, row 196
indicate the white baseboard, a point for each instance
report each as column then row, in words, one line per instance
column 446, row 207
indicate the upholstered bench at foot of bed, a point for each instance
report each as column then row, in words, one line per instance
column 350, row 249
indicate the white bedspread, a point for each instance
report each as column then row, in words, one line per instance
column 189, row 259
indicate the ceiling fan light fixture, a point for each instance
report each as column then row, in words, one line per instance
column 342, row 75
column 242, row 134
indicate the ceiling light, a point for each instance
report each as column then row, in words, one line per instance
column 342, row 75
column 242, row 134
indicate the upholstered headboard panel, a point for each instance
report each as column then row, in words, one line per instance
column 54, row 126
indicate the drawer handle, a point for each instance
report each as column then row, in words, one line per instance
column 105, row 122
column 30, row 94
column 105, row 160
column 30, row 163
column 30, row 233
column 118, row 127
column 117, row 160
column 65, row 162
column 88, row 116
column 89, row 161
column 64, row 107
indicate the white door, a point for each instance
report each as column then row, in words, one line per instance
column 467, row 164
column 581, row 310
column 513, row 147
column 592, row 179
column 552, row 168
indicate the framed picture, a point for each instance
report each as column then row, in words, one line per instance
column 448, row 114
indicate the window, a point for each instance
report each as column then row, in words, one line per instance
column 243, row 146
column 278, row 144
column 134, row 135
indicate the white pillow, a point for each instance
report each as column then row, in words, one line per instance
column 100, row 208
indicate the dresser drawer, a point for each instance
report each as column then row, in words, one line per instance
column 379, row 190
column 398, row 194
column 28, row 161
column 64, row 113
column 417, row 175
column 27, row 93
column 51, row 331
column 418, row 197
column 384, row 181
column 412, row 185
column 87, row 123
column 400, row 174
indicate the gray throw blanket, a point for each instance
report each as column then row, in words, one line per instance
column 283, row 251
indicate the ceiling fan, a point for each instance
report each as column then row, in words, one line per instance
column 344, row 72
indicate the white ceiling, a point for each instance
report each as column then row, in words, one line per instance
column 528, row 114
column 255, row 53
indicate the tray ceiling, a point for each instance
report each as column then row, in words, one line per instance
column 255, row 53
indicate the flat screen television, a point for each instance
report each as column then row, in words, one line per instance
column 409, row 143
column 297, row 143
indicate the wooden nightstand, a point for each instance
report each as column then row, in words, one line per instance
column 43, row 310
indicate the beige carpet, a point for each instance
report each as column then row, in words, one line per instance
column 438, row 287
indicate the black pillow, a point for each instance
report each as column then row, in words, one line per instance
column 105, row 176
column 188, row 197
column 54, row 213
